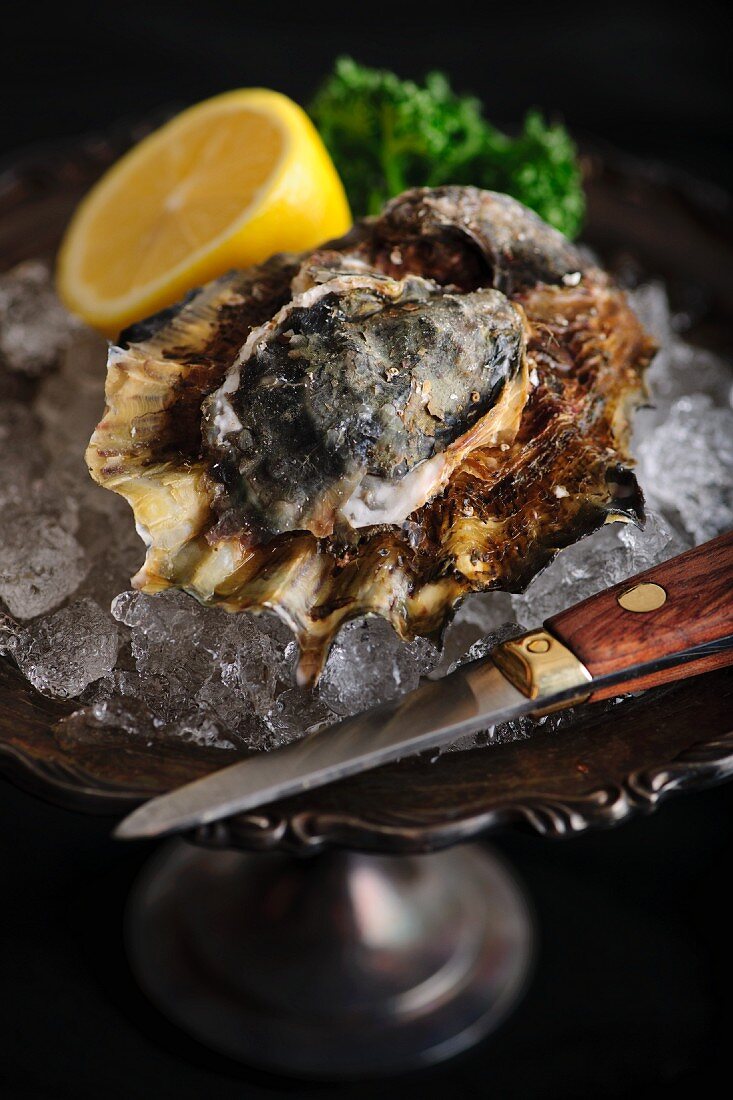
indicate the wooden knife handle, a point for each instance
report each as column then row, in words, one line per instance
column 675, row 606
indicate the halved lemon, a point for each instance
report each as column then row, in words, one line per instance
column 224, row 184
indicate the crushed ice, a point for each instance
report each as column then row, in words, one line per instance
column 164, row 667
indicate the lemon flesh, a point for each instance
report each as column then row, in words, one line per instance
column 224, row 184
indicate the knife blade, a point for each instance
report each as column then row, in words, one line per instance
column 435, row 714
column 465, row 700
column 536, row 672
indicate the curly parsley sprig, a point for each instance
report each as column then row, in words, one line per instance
column 386, row 134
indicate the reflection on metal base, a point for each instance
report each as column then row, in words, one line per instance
column 339, row 965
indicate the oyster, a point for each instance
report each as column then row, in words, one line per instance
column 432, row 406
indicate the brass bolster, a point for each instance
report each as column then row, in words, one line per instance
column 540, row 666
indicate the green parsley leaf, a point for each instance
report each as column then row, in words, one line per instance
column 385, row 135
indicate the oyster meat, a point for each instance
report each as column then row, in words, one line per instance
column 433, row 405
column 353, row 406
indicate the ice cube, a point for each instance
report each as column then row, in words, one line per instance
column 161, row 618
column 190, row 660
column 41, row 562
column 163, row 634
column 224, row 705
column 295, row 712
column 686, row 465
column 65, row 652
column 113, row 548
column 70, row 402
column 696, row 370
column 483, row 646
column 170, row 674
column 369, row 664
column 608, row 556
column 10, row 630
column 22, row 461
column 34, row 326
column 517, row 730
column 253, row 664
column 477, row 617
column 678, row 368
column 198, row 729
column 651, row 305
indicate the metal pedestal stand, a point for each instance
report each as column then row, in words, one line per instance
column 343, row 964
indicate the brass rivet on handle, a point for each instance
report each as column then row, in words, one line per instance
column 538, row 645
column 643, row 597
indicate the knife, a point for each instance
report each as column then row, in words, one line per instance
column 666, row 624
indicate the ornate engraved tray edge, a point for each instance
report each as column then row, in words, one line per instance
column 553, row 816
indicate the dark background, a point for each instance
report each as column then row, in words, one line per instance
column 651, row 78
column 632, row 991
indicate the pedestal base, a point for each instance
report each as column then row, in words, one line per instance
column 340, row 965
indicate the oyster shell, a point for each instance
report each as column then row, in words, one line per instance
column 432, row 406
